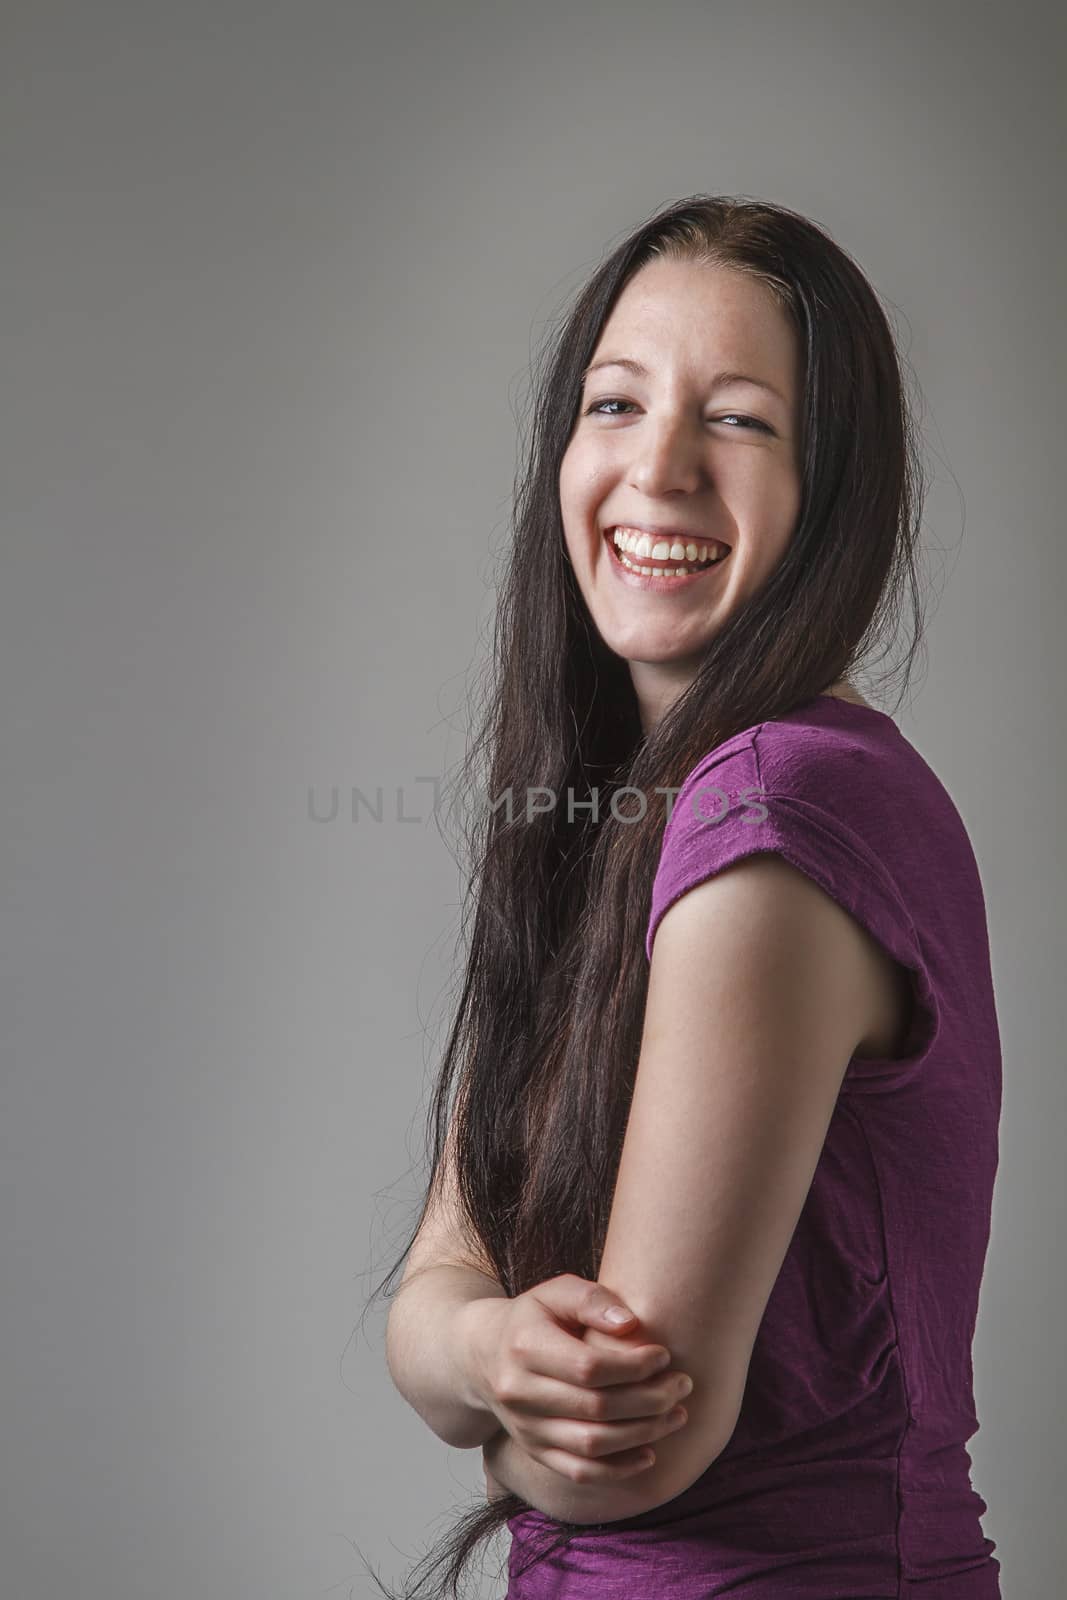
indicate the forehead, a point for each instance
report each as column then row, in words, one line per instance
column 677, row 315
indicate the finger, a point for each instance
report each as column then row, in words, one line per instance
column 544, row 1347
column 614, row 1403
column 598, row 1439
column 606, row 1469
column 594, row 1308
column 634, row 1357
column 600, row 1308
column 586, row 1302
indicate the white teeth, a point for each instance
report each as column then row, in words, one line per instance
column 640, row 545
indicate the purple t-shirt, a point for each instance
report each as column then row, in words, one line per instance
column 847, row 1476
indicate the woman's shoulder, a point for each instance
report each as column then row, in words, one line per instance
column 834, row 764
column 803, row 746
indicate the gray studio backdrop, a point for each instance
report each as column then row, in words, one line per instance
column 272, row 278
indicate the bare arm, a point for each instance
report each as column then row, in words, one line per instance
column 447, row 1285
column 429, row 1348
column 451, row 1321
column 508, row 1468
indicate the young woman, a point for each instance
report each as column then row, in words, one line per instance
column 726, row 1055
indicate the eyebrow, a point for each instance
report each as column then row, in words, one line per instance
column 720, row 380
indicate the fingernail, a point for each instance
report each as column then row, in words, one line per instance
column 616, row 1314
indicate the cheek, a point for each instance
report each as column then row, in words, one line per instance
column 771, row 500
column 586, row 462
column 582, row 487
column 788, row 507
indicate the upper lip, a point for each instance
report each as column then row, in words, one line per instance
column 658, row 530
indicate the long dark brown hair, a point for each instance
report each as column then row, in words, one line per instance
column 547, row 1029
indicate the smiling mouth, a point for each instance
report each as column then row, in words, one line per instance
column 666, row 566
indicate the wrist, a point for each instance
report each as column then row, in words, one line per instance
column 477, row 1332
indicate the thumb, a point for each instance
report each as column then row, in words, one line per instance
column 602, row 1309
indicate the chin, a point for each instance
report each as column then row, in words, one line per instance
column 656, row 651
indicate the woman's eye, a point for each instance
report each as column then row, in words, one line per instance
column 598, row 405
column 749, row 422
column 732, row 417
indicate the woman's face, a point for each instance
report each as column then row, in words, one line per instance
column 702, row 444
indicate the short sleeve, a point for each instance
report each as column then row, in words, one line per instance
column 724, row 812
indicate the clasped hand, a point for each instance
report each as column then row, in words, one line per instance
column 583, row 1395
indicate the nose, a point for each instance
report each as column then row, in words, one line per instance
column 668, row 457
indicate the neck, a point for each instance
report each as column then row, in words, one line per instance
column 843, row 690
column 654, row 698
